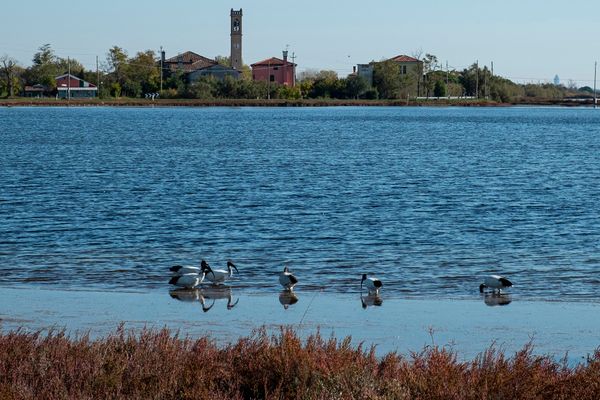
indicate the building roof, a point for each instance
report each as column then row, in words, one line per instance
column 273, row 61
column 85, row 84
column 189, row 61
column 404, row 58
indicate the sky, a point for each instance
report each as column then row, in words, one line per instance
column 527, row 40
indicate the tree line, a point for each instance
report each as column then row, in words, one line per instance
column 122, row 75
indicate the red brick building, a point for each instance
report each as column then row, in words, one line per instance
column 276, row 70
column 70, row 86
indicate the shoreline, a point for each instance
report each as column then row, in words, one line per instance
column 126, row 102
column 391, row 324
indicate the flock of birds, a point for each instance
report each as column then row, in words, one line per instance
column 189, row 277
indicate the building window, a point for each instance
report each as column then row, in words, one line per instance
column 403, row 69
column 272, row 78
column 275, row 68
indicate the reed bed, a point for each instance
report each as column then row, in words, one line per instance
column 159, row 364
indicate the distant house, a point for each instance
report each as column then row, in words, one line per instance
column 70, row 86
column 37, row 90
column 365, row 71
column 408, row 64
column 275, row 70
column 194, row 66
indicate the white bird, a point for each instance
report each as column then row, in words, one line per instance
column 188, row 281
column 372, row 284
column 219, row 276
column 495, row 282
column 179, row 270
column 287, row 279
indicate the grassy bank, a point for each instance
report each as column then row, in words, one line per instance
column 129, row 102
column 159, row 365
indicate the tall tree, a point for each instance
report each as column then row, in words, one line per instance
column 386, row 78
column 10, row 72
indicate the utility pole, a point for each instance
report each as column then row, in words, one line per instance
column 485, row 82
column 69, row 79
column 595, row 94
column 492, row 68
column 161, row 68
column 97, row 77
column 447, row 75
column 477, row 79
column 269, row 80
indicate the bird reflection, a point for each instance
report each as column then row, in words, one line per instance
column 207, row 296
column 496, row 299
column 287, row 298
column 372, row 299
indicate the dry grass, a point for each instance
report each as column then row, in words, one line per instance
column 161, row 365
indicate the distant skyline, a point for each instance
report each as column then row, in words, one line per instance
column 528, row 40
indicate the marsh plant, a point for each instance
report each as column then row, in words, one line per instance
column 159, row 364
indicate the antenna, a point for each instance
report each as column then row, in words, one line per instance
column 595, row 94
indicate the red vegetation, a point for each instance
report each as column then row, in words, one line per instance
column 160, row 365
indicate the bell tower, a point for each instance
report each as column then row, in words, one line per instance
column 236, row 39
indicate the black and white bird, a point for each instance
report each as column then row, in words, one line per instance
column 178, row 270
column 219, row 276
column 373, row 284
column 495, row 282
column 287, row 279
column 188, row 281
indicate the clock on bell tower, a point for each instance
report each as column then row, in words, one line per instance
column 236, row 39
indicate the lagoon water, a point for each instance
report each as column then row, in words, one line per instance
column 429, row 199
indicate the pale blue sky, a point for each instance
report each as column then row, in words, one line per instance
column 528, row 40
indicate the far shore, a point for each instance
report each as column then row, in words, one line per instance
column 431, row 102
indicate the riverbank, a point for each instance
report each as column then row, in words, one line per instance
column 127, row 102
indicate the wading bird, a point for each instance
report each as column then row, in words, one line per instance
column 219, row 276
column 495, row 282
column 372, row 284
column 178, row 270
column 188, row 281
column 287, row 280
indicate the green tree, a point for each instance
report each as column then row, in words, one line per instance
column 439, row 89
column 10, row 73
column 355, row 86
column 45, row 67
column 386, row 78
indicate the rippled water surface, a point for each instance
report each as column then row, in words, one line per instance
column 429, row 199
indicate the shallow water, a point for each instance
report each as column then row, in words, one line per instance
column 429, row 199
column 395, row 324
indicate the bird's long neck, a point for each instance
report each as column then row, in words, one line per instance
column 230, row 270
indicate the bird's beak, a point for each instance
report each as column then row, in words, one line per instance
column 233, row 265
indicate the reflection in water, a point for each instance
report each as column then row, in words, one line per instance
column 497, row 299
column 207, row 296
column 372, row 299
column 287, row 298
